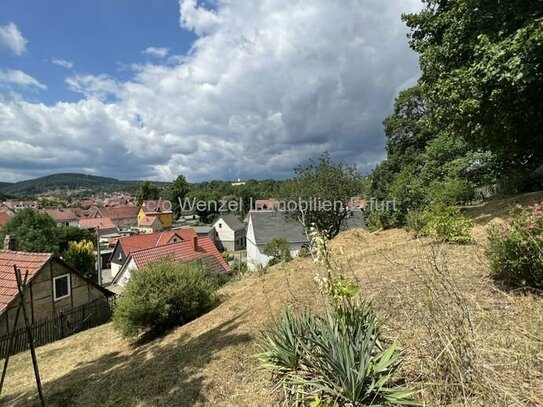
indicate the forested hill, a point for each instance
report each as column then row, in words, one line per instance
column 69, row 182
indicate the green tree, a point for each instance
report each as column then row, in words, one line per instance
column 207, row 212
column 481, row 71
column 331, row 186
column 35, row 232
column 176, row 193
column 80, row 255
column 67, row 234
column 279, row 251
column 147, row 191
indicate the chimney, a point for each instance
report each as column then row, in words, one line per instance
column 10, row 243
column 195, row 243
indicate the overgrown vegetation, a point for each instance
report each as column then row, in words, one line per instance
column 162, row 295
column 464, row 128
column 516, row 249
column 336, row 359
column 443, row 223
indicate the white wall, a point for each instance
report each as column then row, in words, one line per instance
column 225, row 235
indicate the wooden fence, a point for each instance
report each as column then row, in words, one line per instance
column 60, row 326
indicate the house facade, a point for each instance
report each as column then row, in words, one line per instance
column 52, row 286
column 160, row 209
column 123, row 217
column 149, row 224
column 263, row 227
column 230, row 232
column 62, row 216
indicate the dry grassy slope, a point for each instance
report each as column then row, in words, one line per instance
column 209, row 361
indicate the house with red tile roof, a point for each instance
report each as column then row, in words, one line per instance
column 124, row 217
column 17, row 206
column 52, row 286
column 105, row 226
column 162, row 209
column 128, row 244
column 149, row 224
column 198, row 249
column 62, row 216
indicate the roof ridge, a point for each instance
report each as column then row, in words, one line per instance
column 157, row 247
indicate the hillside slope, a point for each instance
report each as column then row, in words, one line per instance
column 69, row 182
column 209, row 362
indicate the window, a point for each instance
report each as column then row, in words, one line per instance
column 61, row 287
column 220, row 225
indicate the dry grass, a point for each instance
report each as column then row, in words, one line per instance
column 209, row 361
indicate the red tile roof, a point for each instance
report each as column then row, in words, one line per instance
column 61, row 215
column 33, row 262
column 121, row 212
column 148, row 220
column 181, row 251
column 133, row 243
column 93, row 223
column 4, row 218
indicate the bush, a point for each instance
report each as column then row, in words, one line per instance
column 447, row 224
column 239, row 267
column 80, row 255
column 333, row 360
column 162, row 295
column 279, row 251
column 515, row 250
column 451, row 191
column 378, row 219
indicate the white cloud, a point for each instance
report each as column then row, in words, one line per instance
column 16, row 77
column 156, row 52
column 63, row 62
column 267, row 84
column 12, row 39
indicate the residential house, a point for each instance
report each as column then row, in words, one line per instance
column 124, row 217
column 263, row 227
column 266, row 204
column 52, row 286
column 128, row 244
column 161, row 209
column 17, row 206
column 149, row 224
column 229, row 232
column 62, row 216
column 197, row 249
column 104, row 226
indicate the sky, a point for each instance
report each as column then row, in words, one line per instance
column 216, row 89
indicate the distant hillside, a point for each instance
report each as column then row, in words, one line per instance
column 69, row 183
column 5, row 184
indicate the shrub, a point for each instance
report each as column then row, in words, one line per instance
column 515, row 250
column 162, row 295
column 385, row 219
column 279, row 251
column 447, row 224
column 80, row 255
column 239, row 267
column 451, row 191
column 333, row 360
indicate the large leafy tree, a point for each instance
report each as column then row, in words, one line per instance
column 482, row 73
column 34, row 231
column 177, row 192
column 328, row 187
column 147, row 191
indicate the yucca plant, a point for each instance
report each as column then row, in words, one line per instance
column 333, row 360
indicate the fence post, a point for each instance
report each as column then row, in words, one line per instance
column 62, row 321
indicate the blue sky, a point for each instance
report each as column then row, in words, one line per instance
column 222, row 89
column 97, row 36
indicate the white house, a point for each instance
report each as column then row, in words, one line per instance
column 230, row 232
column 263, row 227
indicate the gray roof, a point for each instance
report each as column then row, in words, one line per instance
column 355, row 220
column 232, row 221
column 268, row 225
